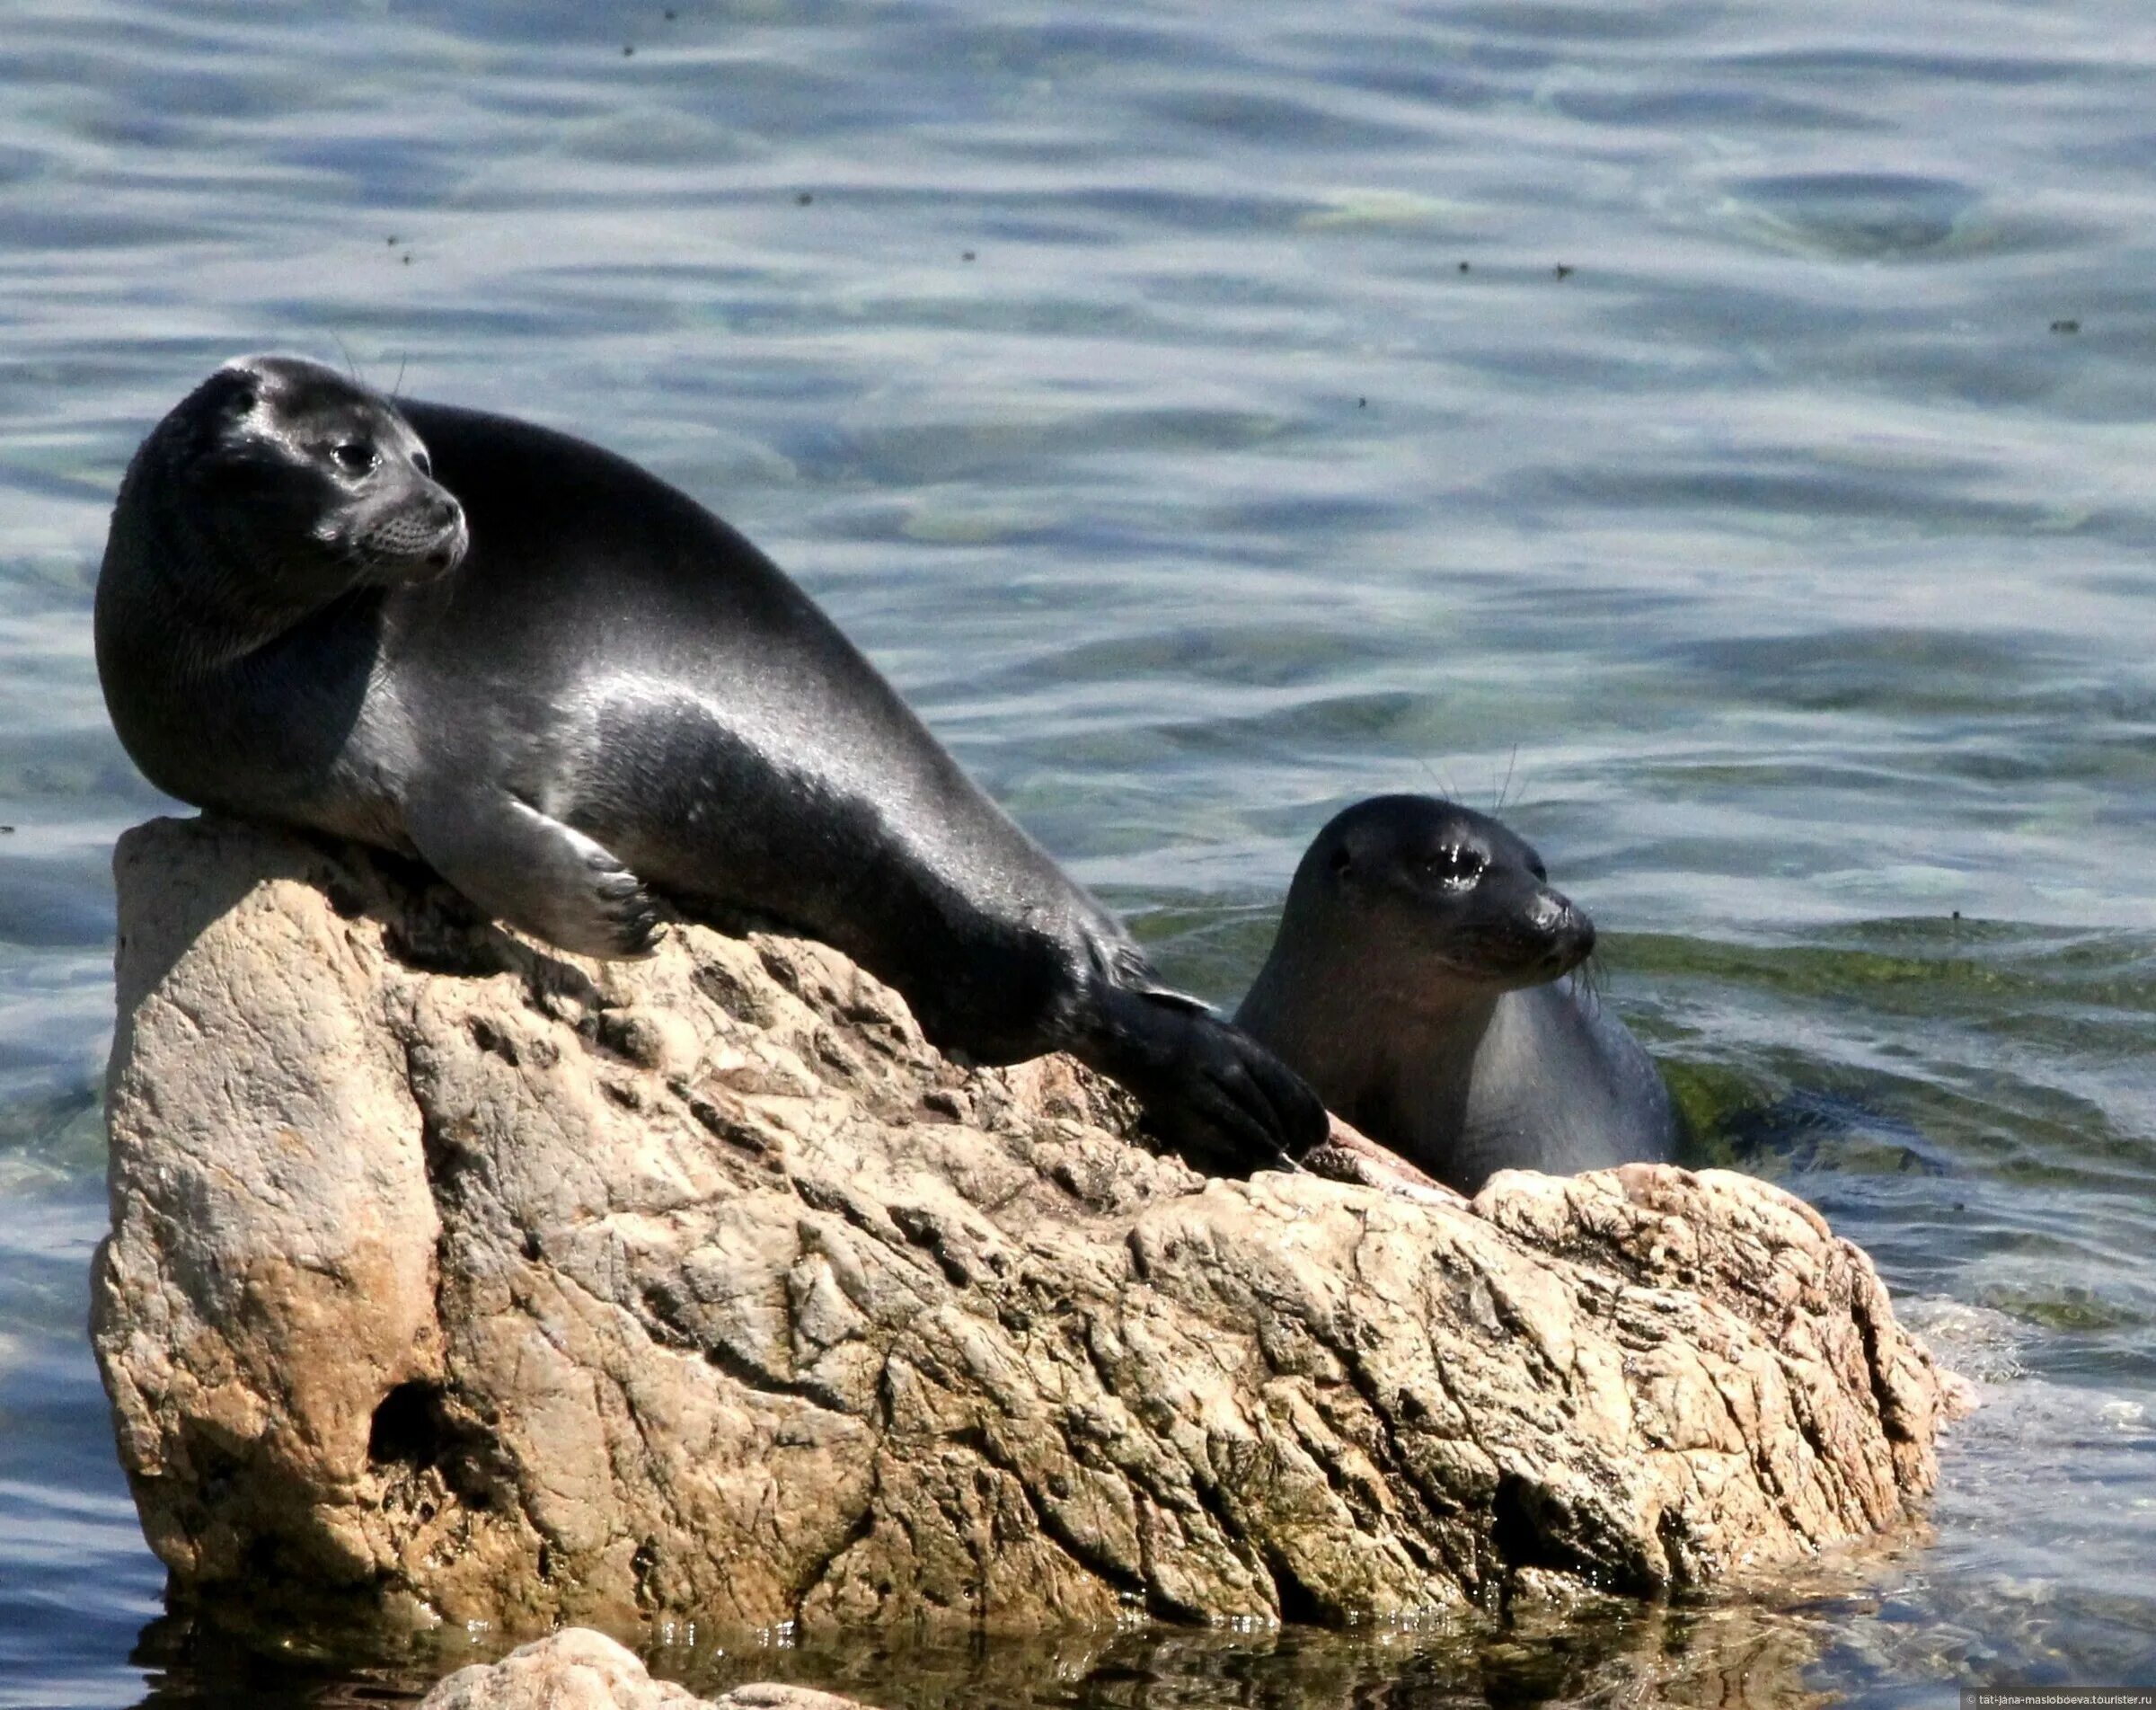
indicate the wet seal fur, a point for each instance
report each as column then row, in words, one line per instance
column 584, row 700
column 1420, row 981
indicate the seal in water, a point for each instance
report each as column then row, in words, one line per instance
column 1419, row 981
column 578, row 696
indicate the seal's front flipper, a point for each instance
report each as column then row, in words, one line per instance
column 535, row 872
column 1213, row 1093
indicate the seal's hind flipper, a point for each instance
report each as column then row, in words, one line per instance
column 1212, row 1092
column 535, row 872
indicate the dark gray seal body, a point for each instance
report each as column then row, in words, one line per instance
column 1421, row 982
column 577, row 694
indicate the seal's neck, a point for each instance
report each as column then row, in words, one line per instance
column 1353, row 1018
column 193, row 588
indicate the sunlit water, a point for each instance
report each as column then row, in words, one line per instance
column 1719, row 432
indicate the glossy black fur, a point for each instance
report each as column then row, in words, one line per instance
column 607, row 700
column 1422, row 981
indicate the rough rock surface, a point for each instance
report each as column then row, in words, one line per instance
column 450, row 1277
column 581, row 1669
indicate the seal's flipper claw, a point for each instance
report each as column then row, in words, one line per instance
column 1297, row 1112
column 536, row 874
column 1212, row 1092
column 1214, row 1131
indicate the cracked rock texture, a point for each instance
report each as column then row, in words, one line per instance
column 579, row 1669
column 451, row 1278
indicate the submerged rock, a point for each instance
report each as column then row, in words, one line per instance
column 452, row 1278
column 579, row 1669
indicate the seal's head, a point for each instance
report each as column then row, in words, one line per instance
column 1413, row 881
column 287, row 484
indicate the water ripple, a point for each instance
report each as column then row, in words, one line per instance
column 1717, row 432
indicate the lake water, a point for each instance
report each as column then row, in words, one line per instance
column 1720, row 432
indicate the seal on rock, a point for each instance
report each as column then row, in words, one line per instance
column 1420, row 980
column 583, row 699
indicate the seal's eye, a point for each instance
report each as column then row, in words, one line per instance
column 1455, row 865
column 355, row 456
column 422, row 462
column 1534, row 865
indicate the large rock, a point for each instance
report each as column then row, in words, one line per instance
column 581, row 1669
column 449, row 1277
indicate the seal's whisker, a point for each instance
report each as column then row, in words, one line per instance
column 1505, row 789
column 1590, row 979
column 1444, row 783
